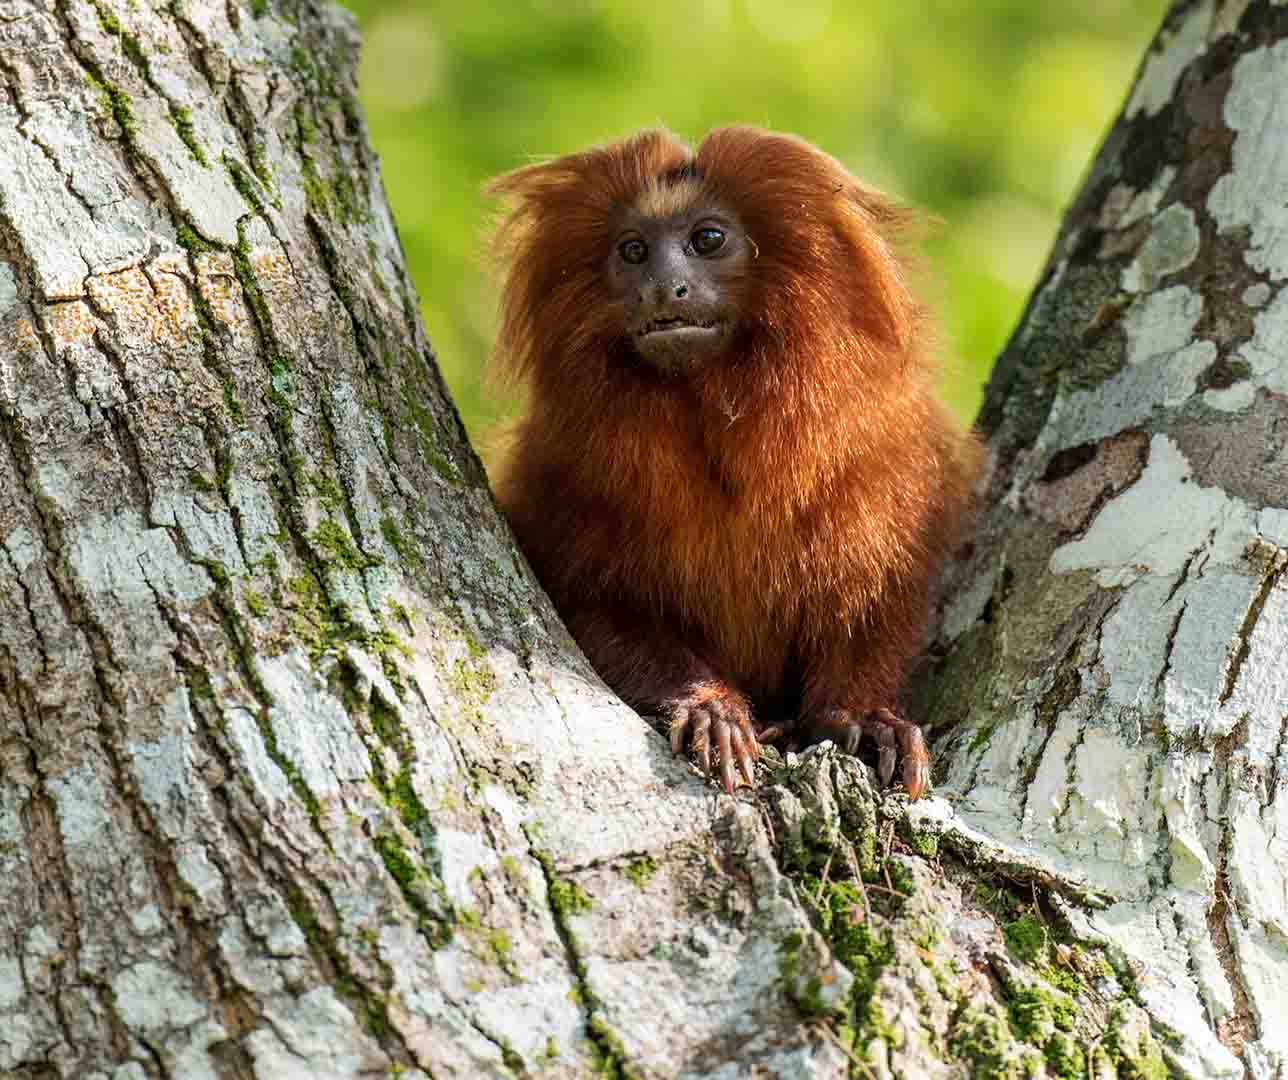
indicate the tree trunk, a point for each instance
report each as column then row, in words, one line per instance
column 301, row 777
column 1116, row 681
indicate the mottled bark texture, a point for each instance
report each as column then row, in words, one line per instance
column 299, row 776
column 1113, row 692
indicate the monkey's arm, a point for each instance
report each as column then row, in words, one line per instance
column 654, row 671
column 852, row 683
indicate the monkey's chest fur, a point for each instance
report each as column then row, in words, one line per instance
column 720, row 536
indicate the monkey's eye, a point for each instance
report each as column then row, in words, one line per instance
column 633, row 250
column 707, row 241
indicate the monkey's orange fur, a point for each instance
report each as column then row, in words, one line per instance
column 766, row 527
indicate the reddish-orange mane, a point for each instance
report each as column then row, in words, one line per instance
column 775, row 517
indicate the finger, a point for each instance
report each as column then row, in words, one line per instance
column 724, row 743
column 746, row 751
column 702, row 738
column 916, row 761
column 679, row 728
column 744, row 736
column 850, row 739
column 769, row 734
column 886, row 759
column 887, row 755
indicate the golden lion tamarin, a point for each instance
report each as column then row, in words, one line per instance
column 730, row 472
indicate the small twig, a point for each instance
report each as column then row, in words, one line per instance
column 892, row 891
column 822, row 881
column 1091, row 1055
column 832, row 1038
column 852, row 864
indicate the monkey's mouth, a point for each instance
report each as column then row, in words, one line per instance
column 675, row 344
column 678, row 327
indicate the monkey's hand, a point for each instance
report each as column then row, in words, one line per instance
column 893, row 735
column 713, row 712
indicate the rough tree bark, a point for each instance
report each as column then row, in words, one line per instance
column 1117, row 661
column 300, row 777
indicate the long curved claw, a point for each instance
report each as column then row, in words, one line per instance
column 745, row 753
column 916, row 760
column 724, row 744
column 701, row 739
column 887, row 754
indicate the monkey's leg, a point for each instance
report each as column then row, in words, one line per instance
column 654, row 671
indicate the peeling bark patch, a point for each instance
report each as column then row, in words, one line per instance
column 8, row 290
column 1245, row 453
column 1161, row 323
column 1172, row 244
column 1151, row 526
column 1276, row 563
column 1069, row 461
column 1251, row 194
column 1080, row 480
column 152, row 312
column 1239, row 1024
column 1173, row 51
column 154, row 998
column 82, row 806
column 1267, row 352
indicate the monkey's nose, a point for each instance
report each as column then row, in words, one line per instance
column 659, row 294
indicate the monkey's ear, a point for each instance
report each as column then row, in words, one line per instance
column 530, row 181
column 606, row 175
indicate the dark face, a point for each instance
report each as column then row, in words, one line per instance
column 678, row 278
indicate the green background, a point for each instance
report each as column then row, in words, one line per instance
column 983, row 114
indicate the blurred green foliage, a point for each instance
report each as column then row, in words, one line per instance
column 984, row 114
